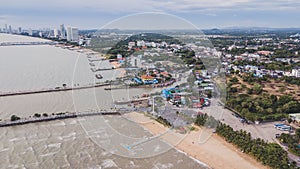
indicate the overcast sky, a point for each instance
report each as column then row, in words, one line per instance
column 202, row 13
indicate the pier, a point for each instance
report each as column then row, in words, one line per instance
column 23, row 121
column 52, row 90
column 27, row 43
column 131, row 101
column 101, row 69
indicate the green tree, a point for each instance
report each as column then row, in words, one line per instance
column 14, row 118
column 257, row 89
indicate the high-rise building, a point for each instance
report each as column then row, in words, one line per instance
column 19, row 30
column 55, row 32
column 75, row 36
column 9, row 29
column 30, row 32
column 69, row 34
column 72, row 34
column 62, row 31
column 6, row 29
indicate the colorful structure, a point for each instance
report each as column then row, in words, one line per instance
column 146, row 79
column 171, row 93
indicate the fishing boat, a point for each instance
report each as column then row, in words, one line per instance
column 98, row 76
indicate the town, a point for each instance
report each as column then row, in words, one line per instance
column 248, row 81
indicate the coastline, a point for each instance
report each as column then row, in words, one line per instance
column 214, row 153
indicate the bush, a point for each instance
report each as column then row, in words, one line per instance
column 37, row 115
column 14, row 118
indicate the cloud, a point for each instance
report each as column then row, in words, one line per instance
column 154, row 5
column 206, row 5
column 97, row 12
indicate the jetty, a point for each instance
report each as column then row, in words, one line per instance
column 60, row 89
column 131, row 101
column 101, row 69
column 27, row 43
column 61, row 116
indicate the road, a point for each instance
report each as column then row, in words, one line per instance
column 264, row 131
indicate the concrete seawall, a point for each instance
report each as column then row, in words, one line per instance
column 51, row 90
column 23, row 121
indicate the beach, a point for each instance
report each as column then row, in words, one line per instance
column 213, row 150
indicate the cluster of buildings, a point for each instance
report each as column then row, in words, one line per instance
column 157, row 78
column 260, row 71
column 263, row 56
column 70, row 34
column 174, row 96
column 144, row 44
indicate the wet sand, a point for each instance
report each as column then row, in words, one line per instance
column 202, row 145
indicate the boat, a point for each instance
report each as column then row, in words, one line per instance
column 98, row 76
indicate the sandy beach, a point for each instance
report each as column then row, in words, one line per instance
column 212, row 150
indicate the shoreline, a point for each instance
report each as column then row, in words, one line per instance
column 214, row 152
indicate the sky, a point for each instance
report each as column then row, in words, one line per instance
column 141, row 14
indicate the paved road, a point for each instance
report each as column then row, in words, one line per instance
column 264, row 131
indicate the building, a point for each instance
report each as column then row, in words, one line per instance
column 19, row 30
column 148, row 79
column 140, row 43
column 55, row 33
column 6, row 29
column 30, row 32
column 69, row 34
column 131, row 44
column 62, row 31
column 296, row 72
column 72, row 34
column 9, row 29
column 295, row 117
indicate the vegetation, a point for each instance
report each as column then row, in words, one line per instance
column 163, row 121
column 201, row 119
column 292, row 141
column 122, row 48
column 270, row 154
column 37, row 115
column 188, row 57
column 205, row 120
column 255, row 104
column 264, row 107
column 14, row 118
column 292, row 80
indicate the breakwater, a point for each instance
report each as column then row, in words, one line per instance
column 52, row 90
column 23, row 121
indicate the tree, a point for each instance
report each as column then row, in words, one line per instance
column 14, row 118
column 257, row 89
column 37, row 115
column 201, row 119
column 234, row 80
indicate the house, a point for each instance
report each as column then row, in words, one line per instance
column 296, row 72
column 295, row 117
column 146, row 79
